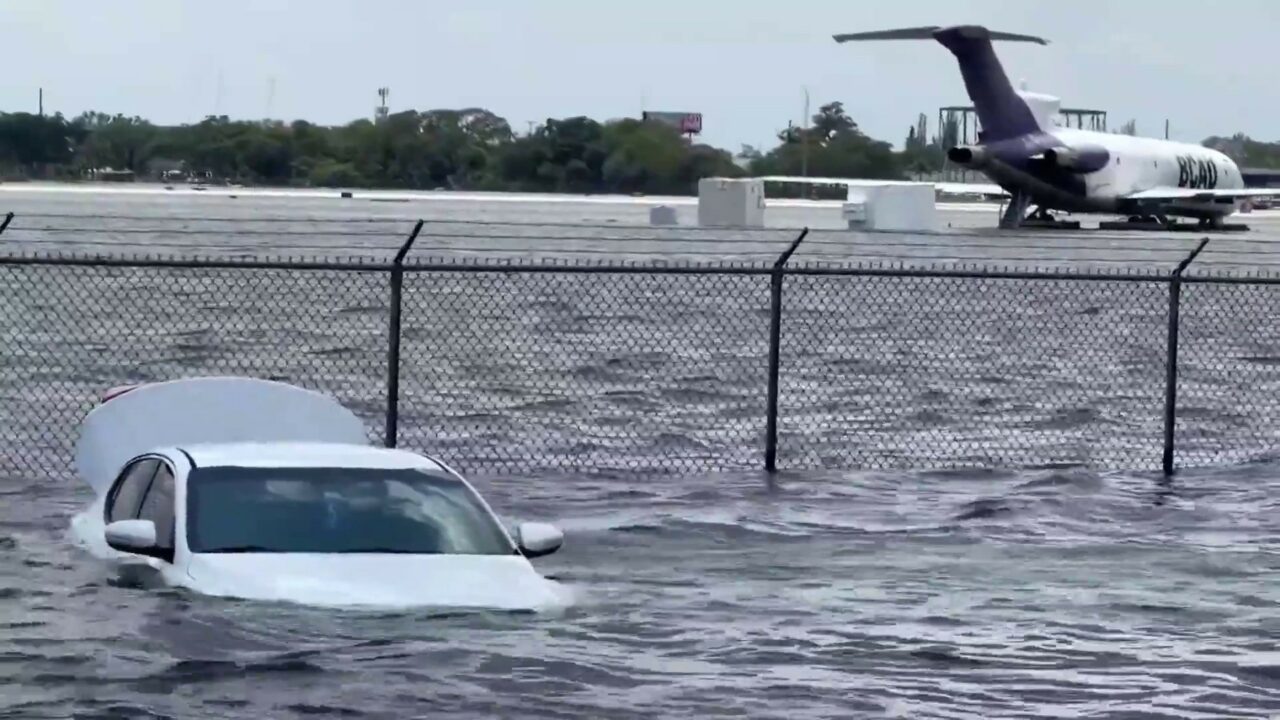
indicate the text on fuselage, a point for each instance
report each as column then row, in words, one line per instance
column 1197, row 172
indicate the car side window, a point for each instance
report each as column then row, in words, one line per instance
column 126, row 496
column 157, row 507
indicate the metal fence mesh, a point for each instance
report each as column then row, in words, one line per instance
column 514, row 371
column 524, row 369
column 69, row 333
column 1228, row 373
column 881, row 371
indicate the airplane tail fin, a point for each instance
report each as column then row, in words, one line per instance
column 1001, row 111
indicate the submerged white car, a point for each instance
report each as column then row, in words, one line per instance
column 260, row 490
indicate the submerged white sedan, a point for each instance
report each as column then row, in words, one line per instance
column 260, row 490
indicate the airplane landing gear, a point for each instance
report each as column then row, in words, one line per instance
column 1016, row 216
column 1016, row 212
column 1138, row 222
column 1163, row 223
column 1219, row 222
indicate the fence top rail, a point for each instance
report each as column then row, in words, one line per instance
column 177, row 223
column 921, row 267
column 1217, row 276
column 354, row 263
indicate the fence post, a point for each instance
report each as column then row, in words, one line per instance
column 775, row 343
column 1171, row 358
column 8, row 218
column 393, row 340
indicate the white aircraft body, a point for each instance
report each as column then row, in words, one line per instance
column 1031, row 158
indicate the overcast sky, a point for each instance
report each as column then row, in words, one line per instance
column 742, row 63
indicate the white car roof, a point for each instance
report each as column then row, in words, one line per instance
column 305, row 454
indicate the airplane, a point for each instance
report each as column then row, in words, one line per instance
column 1032, row 160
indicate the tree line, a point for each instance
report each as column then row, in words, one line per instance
column 1246, row 151
column 466, row 149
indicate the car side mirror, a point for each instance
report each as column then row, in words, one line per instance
column 538, row 539
column 132, row 536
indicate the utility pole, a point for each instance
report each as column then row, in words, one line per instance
column 41, row 102
column 217, row 95
column 804, row 143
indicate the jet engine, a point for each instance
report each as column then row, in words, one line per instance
column 970, row 156
column 1076, row 160
column 1084, row 159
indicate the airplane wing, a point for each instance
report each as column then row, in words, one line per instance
column 813, row 180
column 1177, row 193
column 970, row 188
column 946, row 187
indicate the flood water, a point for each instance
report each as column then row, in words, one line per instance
column 814, row 593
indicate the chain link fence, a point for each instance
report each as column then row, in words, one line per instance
column 524, row 367
column 518, row 371
column 1228, row 372
column 70, row 332
column 892, row 372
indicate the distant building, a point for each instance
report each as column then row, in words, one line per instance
column 166, row 167
column 110, row 175
column 1260, row 177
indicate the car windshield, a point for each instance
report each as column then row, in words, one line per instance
column 337, row 510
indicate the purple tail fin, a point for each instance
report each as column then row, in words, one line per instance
column 1002, row 113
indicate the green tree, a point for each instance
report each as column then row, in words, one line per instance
column 119, row 142
column 466, row 148
column 836, row 148
column 831, row 121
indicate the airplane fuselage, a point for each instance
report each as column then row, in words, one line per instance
column 1141, row 163
column 1125, row 165
column 1088, row 171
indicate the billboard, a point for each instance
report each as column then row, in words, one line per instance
column 685, row 122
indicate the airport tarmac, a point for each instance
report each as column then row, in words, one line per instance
column 505, row 227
